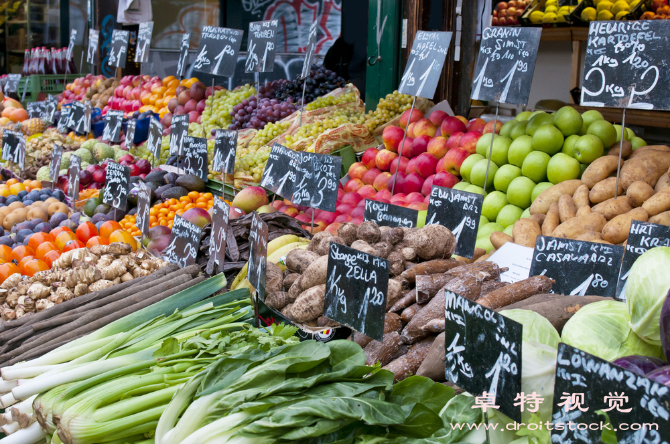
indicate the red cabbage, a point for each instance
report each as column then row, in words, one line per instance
column 664, row 321
column 660, row 375
column 640, row 365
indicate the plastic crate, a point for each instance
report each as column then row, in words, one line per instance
column 47, row 84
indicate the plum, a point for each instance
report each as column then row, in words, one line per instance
column 28, row 202
column 57, row 218
column 70, row 224
column 74, row 217
column 100, row 217
column 21, row 194
column 58, row 194
column 6, row 240
column 21, row 234
column 43, row 227
column 99, row 224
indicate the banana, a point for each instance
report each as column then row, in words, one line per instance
column 281, row 241
column 274, row 246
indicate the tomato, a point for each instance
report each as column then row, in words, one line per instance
column 56, row 231
column 24, row 261
column 38, row 239
column 5, row 253
column 107, row 228
column 8, row 269
column 34, row 266
column 44, row 248
column 123, row 236
column 96, row 240
column 85, row 231
column 65, row 237
column 20, row 252
column 73, row 245
column 51, row 256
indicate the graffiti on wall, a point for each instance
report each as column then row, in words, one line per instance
column 191, row 18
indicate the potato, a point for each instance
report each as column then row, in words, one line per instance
column 638, row 192
column 525, row 232
column 581, row 197
column 647, row 168
column 604, row 190
column 599, row 170
column 309, row 304
column 580, row 225
column 551, row 195
column 613, row 207
column 566, row 208
column 315, row 274
column 661, row 218
column 663, row 182
column 658, row 203
column 316, row 241
column 645, row 150
column 616, row 230
column 627, row 149
column 583, row 211
column 551, row 221
column 591, row 236
column 498, row 239
column 539, row 218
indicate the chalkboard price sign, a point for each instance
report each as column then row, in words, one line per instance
column 155, row 138
column 19, row 157
column 625, row 72
column 144, row 42
column 258, row 239
column 195, row 157
column 424, row 65
column 317, row 181
column 218, row 49
column 73, row 178
column 70, row 46
column 37, row 110
column 388, row 215
column 117, row 184
column 9, row 142
column 130, row 133
column 356, row 290
column 225, row 148
column 261, row 46
column 311, row 48
column 50, row 111
column 184, row 243
column 118, row 49
column 143, row 207
column 64, row 120
column 12, row 85
column 642, row 237
column 637, row 407
column 178, row 130
column 217, row 241
column 80, row 117
column 93, row 39
column 578, row 267
column 505, row 65
column 183, row 53
column 460, row 212
column 113, row 122
column 54, row 166
column 483, row 352
column 280, row 175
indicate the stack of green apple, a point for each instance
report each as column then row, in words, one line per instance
column 533, row 152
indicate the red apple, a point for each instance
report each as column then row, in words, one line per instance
column 358, row 212
column 343, row 218
column 353, row 185
column 326, row 216
column 344, row 209
column 454, row 160
column 416, row 116
column 369, row 157
column 419, row 146
column 451, row 125
column 368, row 191
column 424, row 127
column 381, row 181
column 413, row 183
column 438, row 147
column 414, row 197
column 398, row 199
column 399, row 179
column 357, row 170
column 476, row 124
column 425, row 164
column 445, row 180
column 383, row 194
column 418, row 206
column 392, row 136
column 437, row 117
column 399, row 164
column 410, row 130
column 454, row 141
column 411, row 166
column 406, row 148
column 469, row 141
column 352, row 198
column 427, row 185
column 441, row 165
column 384, row 159
column 489, row 126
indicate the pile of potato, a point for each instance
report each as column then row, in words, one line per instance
column 99, row 94
column 587, row 210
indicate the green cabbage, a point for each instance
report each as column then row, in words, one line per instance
column 536, row 328
column 647, row 286
column 603, row 329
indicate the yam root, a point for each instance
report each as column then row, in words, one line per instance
column 309, row 305
column 361, row 339
column 430, row 267
column 274, row 278
column 432, row 310
column 324, row 245
column 516, row 292
column 393, row 235
column 290, row 279
column 468, row 287
column 277, row 300
column 489, row 286
column 397, row 263
column 298, row 260
column 427, row 286
column 383, row 351
column 316, row 241
column 432, row 242
column 315, row 274
column 393, row 293
column 348, row 232
column 434, row 326
column 433, row 366
column 392, row 322
column 408, row 313
column 369, row 232
column 408, row 299
column 408, row 364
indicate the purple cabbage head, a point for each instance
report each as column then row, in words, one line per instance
column 640, row 365
column 664, row 322
column 660, row 375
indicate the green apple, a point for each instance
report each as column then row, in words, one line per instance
column 626, row 135
column 588, row 148
column 478, row 173
column 525, row 214
column 474, row 189
column 508, row 215
column 509, row 230
column 535, row 166
column 467, row 165
column 486, row 230
column 519, row 192
column 548, row 138
column 507, row 127
column 629, row 134
column 518, row 150
column 604, row 131
column 493, row 203
column 537, row 121
column 582, row 167
column 589, row 117
column 568, row 120
column 569, row 145
column 483, row 144
column 535, row 113
column 483, row 221
column 484, row 243
column 522, row 117
column 504, row 176
column 540, row 187
column 500, row 148
column 519, row 130
column 562, row 167
column 637, row 142
column 461, row 185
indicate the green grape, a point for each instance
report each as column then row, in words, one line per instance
column 324, row 101
column 387, row 109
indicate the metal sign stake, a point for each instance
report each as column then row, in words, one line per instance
column 618, row 165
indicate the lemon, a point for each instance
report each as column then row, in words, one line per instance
column 588, row 14
column 550, row 17
column 621, row 15
column 634, row 3
column 605, row 15
column 551, row 3
column 553, row 9
column 561, row 18
column 604, row 6
column 564, row 9
column 620, row 6
column 537, row 17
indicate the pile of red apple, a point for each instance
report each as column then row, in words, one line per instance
column 94, row 175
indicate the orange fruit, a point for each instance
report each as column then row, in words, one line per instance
column 18, row 115
column 123, row 236
column 107, row 228
column 56, row 231
column 51, row 256
column 193, row 195
column 23, row 262
column 20, row 252
column 8, row 269
column 64, row 238
column 44, row 248
column 85, row 231
column 96, row 240
column 34, row 266
column 73, row 245
column 5, row 253
column 38, row 239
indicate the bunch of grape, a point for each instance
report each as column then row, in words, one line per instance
column 387, row 109
column 325, row 101
column 224, row 100
column 252, row 158
column 320, row 82
column 319, row 126
column 247, row 114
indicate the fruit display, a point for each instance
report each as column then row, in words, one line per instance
column 97, row 89
column 11, row 111
column 659, row 10
column 39, row 149
column 248, row 113
column 610, row 10
column 553, row 12
column 530, row 154
column 508, row 13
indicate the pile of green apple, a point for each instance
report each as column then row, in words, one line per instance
column 531, row 153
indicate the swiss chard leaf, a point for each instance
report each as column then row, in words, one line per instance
column 417, row 389
column 421, row 422
column 170, row 346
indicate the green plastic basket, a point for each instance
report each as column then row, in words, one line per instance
column 47, row 84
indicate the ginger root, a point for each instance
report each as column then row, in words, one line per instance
column 114, row 270
column 83, row 275
column 80, row 290
column 80, row 254
column 38, row 291
column 41, row 304
column 12, row 281
column 115, row 248
column 100, row 285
